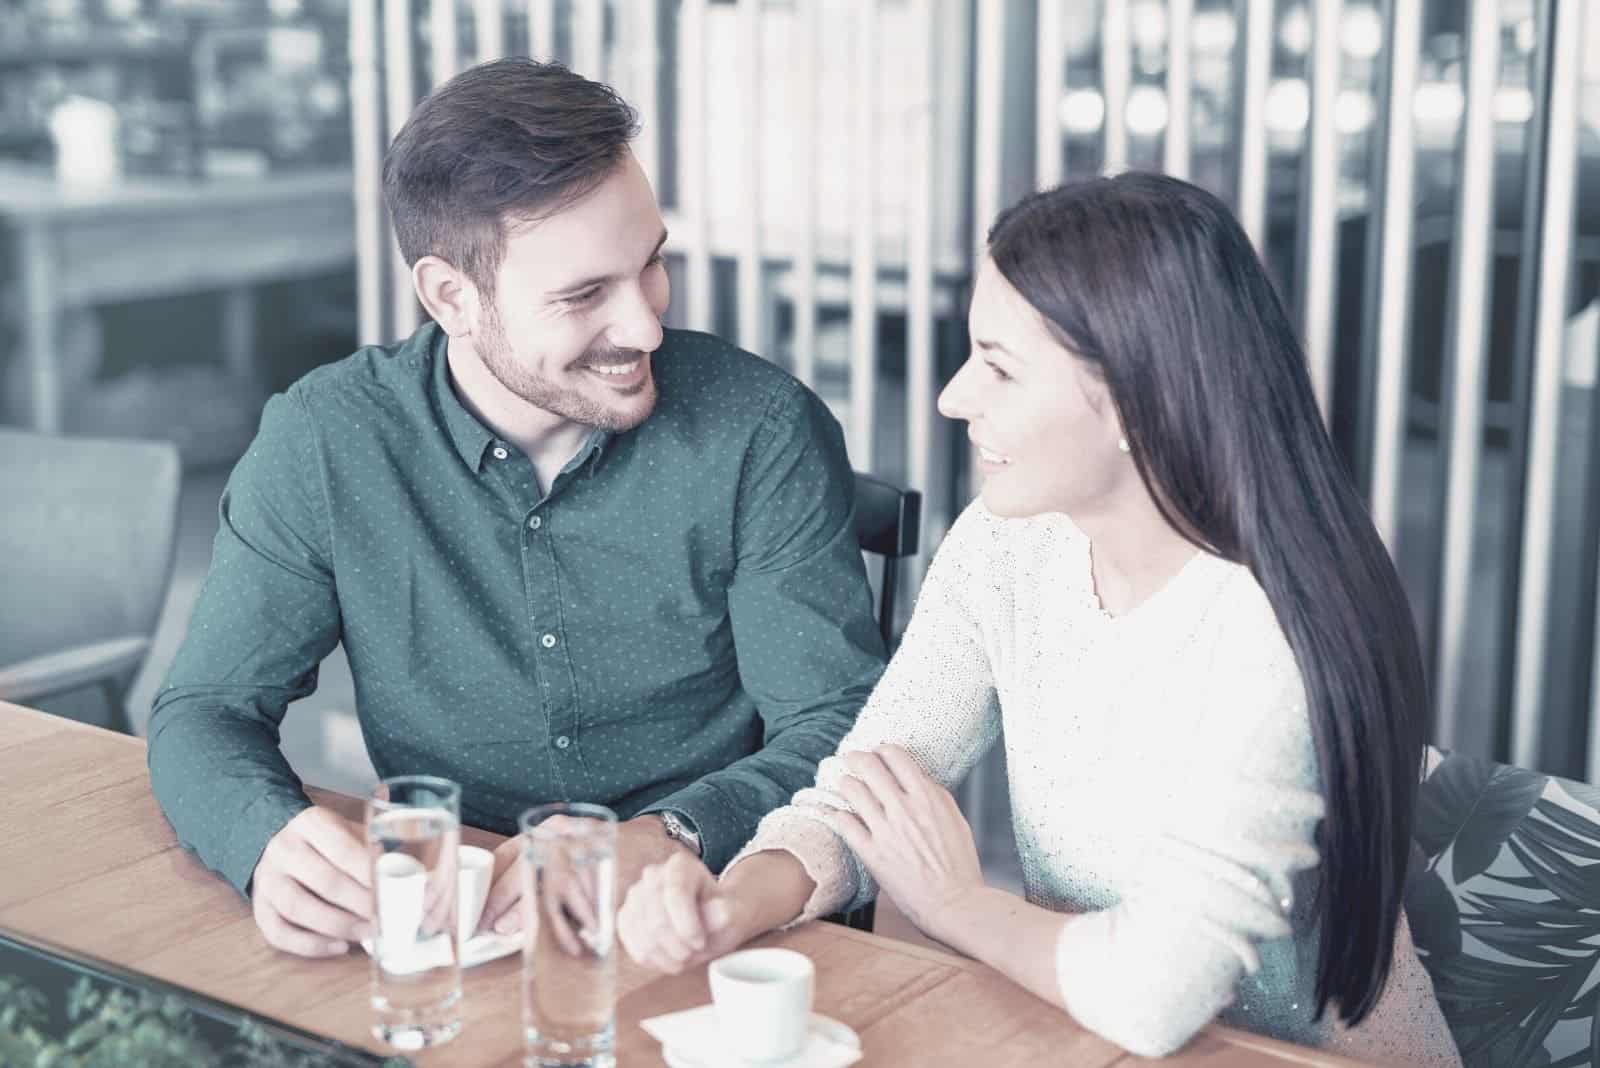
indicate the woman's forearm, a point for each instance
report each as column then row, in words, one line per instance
column 1009, row 935
column 767, row 889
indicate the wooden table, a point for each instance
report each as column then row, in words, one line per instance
column 87, row 862
column 153, row 237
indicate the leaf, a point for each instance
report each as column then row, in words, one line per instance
column 1574, row 823
column 1434, row 916
column 1523, row 943
column 1473, row 805
column 1557, row 838
column 1578, row 886
column 1548, row 1014
column 1581, row 792
column 1520, row 910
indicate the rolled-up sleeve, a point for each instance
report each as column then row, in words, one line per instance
column 266, row 617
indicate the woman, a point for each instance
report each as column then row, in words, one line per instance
column 1208, row 678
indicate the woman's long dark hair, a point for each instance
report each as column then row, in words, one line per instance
column 1154, row 281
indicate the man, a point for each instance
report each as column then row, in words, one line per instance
column 569, row 555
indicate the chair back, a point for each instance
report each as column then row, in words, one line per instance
column 86, row 553
column 888, row 524
column 1503, row 898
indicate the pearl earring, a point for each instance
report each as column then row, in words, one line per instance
column 1122, row 443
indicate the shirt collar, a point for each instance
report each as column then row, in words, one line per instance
column 470, row 437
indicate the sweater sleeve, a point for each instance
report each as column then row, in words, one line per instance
column 936, row 700
column 1150, row 971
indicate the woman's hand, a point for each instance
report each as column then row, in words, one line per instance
column 911, row 836
column 676, row 917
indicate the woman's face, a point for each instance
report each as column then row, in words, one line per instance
column 1039, row 416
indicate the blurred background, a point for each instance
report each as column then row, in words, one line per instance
column 189, row 200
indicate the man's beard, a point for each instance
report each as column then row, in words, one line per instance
column 494, row 349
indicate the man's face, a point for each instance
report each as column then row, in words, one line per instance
column 578, row 303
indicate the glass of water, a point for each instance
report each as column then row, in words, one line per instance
column 569, row 957
column 413, row 834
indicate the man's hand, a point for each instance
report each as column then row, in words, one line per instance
column 312, row 888
column 641, row 842
column 677, row 917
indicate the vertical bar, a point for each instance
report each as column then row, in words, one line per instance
column 1463, row 408
column 863, row 243
column 1389, row 284
column 752, row 302
column 921, row 224
column 491, row 26
column 987, row 120
column 1116, row 59
column 445, row 47
column 692, row 141
column 239, row 332
column 808, row 25
column 401, row 93
column 1047, row 102
column 366, row 138
column 589, row 39
column 644, row 31
column 542, row 29
column 1319, row 227
column 1258, row 19
column 1544, row 415
column 1176, row 152
column 37, row 264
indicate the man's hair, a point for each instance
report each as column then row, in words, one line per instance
column 512, row 140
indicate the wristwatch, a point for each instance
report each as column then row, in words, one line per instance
column 679, row 829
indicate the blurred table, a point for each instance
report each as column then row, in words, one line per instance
column 90, row 865
column 156, row 237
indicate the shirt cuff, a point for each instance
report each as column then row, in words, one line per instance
column 723, row 827
column 261, row 820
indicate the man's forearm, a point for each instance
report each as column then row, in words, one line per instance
column 220, row 779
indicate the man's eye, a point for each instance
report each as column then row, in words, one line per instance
column 584, row 297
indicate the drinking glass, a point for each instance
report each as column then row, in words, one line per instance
column 569, row 956
column 413, row 834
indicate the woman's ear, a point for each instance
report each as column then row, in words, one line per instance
column 447, row 295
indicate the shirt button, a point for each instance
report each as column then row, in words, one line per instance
column 535, row 523
column 563, row 741
column 548, row 641
column 500, row 452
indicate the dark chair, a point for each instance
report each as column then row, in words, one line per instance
column 888, row 524
column 1503, row 897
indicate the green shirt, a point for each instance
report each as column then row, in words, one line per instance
column 683, row 621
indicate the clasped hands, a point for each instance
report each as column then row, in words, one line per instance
column 906, row 829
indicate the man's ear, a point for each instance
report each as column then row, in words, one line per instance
column 447, row 295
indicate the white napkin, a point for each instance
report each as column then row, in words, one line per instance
column 690, row 1038
column 479, row 949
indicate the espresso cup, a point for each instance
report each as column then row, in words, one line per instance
column 762, row 999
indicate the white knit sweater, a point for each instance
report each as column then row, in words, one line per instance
column 1163, row 782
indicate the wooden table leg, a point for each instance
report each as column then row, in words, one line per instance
column 36, row 266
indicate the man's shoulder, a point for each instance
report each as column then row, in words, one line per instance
column 377, row 378
column 703, row 366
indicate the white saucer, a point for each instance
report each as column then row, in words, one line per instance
column 828, row 1035
column 479, row 949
